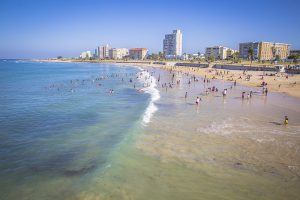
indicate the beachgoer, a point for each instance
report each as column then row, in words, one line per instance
column 224, row 92
column 197, row 101
column 185, row 96
column 286, row 120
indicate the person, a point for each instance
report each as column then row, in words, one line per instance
column 243, row 95
column 251, row 93
column 224, row 92
column 286, row 120
column 266, row 91
column 197, row 101
column 185, row 96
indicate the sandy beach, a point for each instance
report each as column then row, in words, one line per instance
column 276, row 82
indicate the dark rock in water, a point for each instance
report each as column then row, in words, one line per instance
column 79, row 171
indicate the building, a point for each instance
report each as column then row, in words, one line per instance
column 138, row 53
column 294, row 52
column 172, row 44
column 103, row 51
column 118, row 53
column 264, row 50
column 96, row 53
column 244, row 50
column 218, row 52
column 86, row 54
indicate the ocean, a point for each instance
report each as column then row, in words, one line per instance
column 63, row 121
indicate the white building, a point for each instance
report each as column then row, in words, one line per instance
column 218, row 52
column 86, row 54
column 172, row 44
column 118, row 53
column 103, row 51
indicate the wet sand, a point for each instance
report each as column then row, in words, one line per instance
column 227, row 134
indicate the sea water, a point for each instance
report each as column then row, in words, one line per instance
column 61, row 122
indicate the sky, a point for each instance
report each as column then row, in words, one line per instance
column 49, row 28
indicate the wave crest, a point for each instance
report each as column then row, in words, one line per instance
column 149, row 83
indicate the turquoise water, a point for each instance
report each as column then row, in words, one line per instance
column 59, row 122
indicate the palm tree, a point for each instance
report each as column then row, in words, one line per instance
column 250, row 54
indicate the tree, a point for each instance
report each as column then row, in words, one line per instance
column 250, row 54
column 211, row 58
column 59, row 57
column 161, row 56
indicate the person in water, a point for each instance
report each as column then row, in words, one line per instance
column 198, row 101
column 224, row 92
column 286, row 120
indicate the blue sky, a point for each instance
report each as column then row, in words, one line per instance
column 44, row 28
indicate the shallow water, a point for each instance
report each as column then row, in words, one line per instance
column 59, row 124
column 88, row 144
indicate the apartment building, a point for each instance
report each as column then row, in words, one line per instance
column 118, row 53
column 172, row 44
column 138, row 53
column 264, row 50
column 218, row 52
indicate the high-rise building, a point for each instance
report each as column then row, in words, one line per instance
column 172, row 44
column 118, row 53
column 138, row 53
column 218, row 52
column 264, row 50
column 103, row 51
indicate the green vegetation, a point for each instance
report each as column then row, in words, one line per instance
column 250, row 54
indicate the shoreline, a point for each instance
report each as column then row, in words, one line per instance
column 276, row 82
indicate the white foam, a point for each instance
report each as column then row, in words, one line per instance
column 150, row 87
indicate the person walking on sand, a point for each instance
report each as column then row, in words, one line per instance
column 286, row 120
